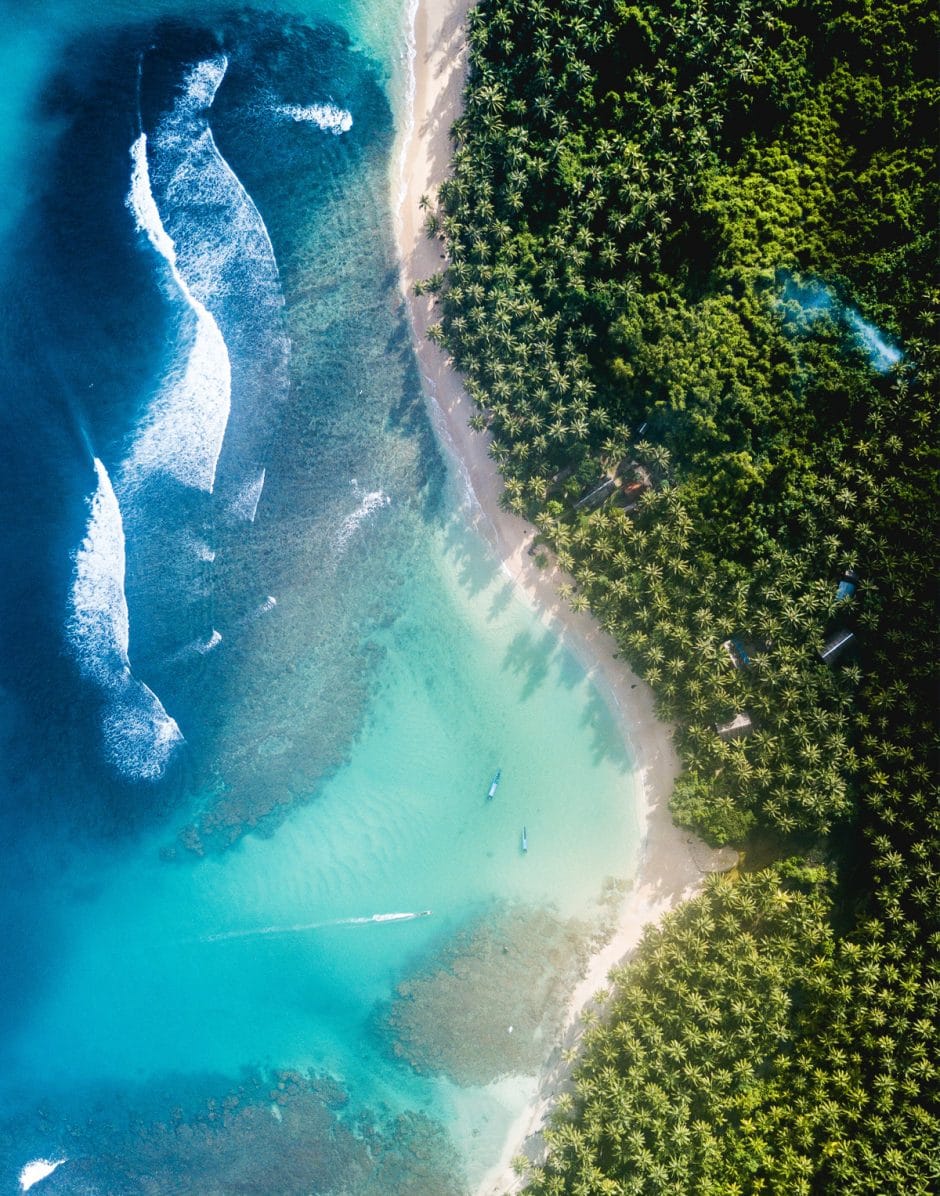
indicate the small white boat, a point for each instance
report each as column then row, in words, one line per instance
column 525, row 841
column 494, row 784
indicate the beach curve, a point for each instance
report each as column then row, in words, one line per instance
column 673, row 862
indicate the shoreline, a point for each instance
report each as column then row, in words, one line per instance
column 672, row 862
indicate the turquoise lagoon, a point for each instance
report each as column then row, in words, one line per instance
column 239, row 967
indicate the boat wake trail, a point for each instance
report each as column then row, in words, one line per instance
column 258, row 932
column 139, row 735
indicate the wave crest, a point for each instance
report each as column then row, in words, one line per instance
column 184, row 430
column 138, row 733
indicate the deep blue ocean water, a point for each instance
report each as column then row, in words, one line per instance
column 257, row 667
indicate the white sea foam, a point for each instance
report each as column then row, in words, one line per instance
column 328, row 117
column 258, row 612
column 245, row 502
column 202, row 222
column 208, row 644
column 185, row 427
column 202, row 83
column 99, row 626
column 373, row 501
column 198, row 175
column 139, row 735
column 37, row 1170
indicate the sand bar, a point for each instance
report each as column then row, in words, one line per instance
column 673, row 862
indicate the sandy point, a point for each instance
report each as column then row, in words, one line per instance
column 673, row 863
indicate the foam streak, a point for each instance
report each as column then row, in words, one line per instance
column 374, row 500
column 327, row 117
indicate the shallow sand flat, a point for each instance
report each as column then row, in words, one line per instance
column 674, row 862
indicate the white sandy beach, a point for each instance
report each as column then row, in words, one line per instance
column 673, row 862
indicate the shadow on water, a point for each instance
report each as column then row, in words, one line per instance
column 408, row 416
column 544, row 659
column 472, row 576
column 606, row 743
column 501, row 600
column 529, row 657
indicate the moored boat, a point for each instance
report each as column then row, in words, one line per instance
column 494, row 784
column 525, row 841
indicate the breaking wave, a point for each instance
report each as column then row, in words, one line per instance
column 198, row 647
column 183, row 433
column 199, row 218
column 224, row 252
column 99, row 625
column 138, row 733
column 262, row 608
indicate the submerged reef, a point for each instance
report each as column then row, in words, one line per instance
column 285, row 1132
column 491, row 1001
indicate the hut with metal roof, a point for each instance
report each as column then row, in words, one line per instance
column 835, row 645
column 738, row 727
column 847, row 586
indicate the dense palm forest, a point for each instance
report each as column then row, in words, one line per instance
column 691, row 284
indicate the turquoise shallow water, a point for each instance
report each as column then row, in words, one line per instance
column 263, row 956
column 189, row 953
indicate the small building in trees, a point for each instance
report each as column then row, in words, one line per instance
column 634, row 481
column 835, row 645
column 599, row 493
column 847, row 586
column 556, row 481
column 738, row 727
column 631, row 493
column 739, row 651
column 629, row 478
